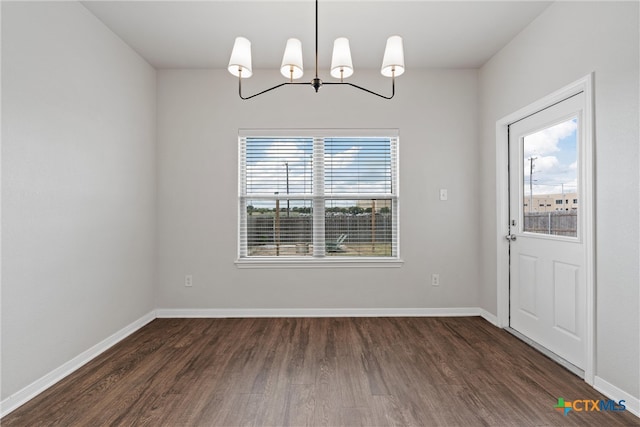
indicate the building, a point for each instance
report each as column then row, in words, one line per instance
column 551, row 202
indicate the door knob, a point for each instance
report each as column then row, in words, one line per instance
column 510, row 237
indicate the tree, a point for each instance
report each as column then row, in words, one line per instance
column 355, row 210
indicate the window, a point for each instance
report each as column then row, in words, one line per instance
column 318, row 196
column 544, row 186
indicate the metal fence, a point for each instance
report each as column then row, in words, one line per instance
column 264, row 230
column 554, row 223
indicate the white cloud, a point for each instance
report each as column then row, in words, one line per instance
column 285, row 152
column 268, row 173
column 546, row 141
column 546, row 164
column 337, row 187
column 343, row 159
column 272, row 166
column 550, row 177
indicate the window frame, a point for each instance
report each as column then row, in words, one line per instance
column 314, row 261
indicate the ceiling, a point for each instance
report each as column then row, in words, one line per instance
column 200, row 34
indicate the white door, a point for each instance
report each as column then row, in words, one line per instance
column 547, row 286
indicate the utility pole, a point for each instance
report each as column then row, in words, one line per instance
column 531, row 167
column 373, row 226
column 286, row 164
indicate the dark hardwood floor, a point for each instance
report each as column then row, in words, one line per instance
column 319, row 372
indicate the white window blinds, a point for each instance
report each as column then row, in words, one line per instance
column 278, row 166
column 358, row 166
column 318, row 196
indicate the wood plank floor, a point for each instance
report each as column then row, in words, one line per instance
column 317, row 372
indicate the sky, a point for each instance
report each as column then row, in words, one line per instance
column 352, row 165
column 361, row 165
column 554, row 150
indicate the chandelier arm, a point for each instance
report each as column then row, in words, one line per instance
column 267, row 90
column 393, row 88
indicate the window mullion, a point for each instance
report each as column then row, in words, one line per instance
column 395, row 190
column 242, row 226
column 242, row 205
column 394, row 166
column 318, row 197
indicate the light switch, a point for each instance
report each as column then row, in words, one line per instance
column 443, row 194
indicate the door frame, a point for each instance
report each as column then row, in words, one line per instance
column 587, row 205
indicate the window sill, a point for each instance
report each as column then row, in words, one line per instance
column 307, row 262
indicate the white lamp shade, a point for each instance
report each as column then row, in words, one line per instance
column 393, row 61
column 292, row 60
column 341, row 65
column 241, row 58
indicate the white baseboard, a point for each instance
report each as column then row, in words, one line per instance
column 32, row 390
column 491, row 318
column 316, row 312
column 614, row 393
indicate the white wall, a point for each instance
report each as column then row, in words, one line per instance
column 199, row 114
column 78, row 187
column 568, row 41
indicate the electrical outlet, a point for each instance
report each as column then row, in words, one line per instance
column 444, row 194
column 188, row 280
column 435, row 279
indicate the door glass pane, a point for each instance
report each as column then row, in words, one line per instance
column 550, row 180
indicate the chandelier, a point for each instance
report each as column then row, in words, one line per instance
column 341, row 65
